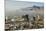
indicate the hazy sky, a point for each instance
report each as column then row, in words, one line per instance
column 14, row 5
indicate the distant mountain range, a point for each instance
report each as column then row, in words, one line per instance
column 32, row 8
column 29, row 10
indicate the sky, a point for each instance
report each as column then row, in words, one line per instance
column 13, row 7
column 18, row 4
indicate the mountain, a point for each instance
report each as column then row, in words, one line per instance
column 29, row 10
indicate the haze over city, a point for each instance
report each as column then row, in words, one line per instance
column 15, row 7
